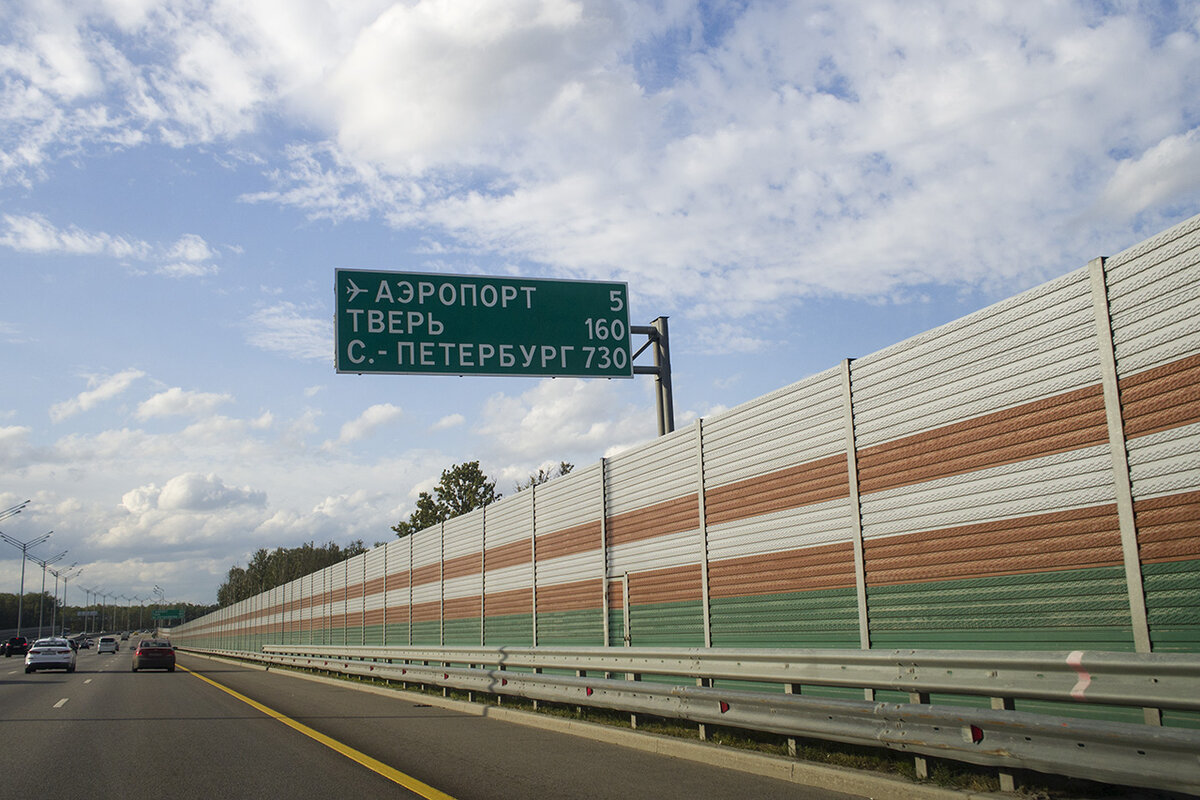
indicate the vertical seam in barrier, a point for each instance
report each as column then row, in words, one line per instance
column 604, row 593
column 860, row 572
column 700, row 509
column 533, row 558
column 386, row 547
column 442, row 584
column 410, row 588
column 1120, row 456
column 483, row 577
column 626, row 614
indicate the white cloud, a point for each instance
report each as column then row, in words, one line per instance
column 187, row 258
column 366, row 424
column 192, row 491
column 737, row 164
column 33, row 233
column 185, row 269
column 561, row 418
column 1166, row 173
column 14, row 444
column 287, row 328
column 11, row 334
column 176, row 401
column 448, row 422
column 191, row 248
column 435, row 82
column 103, row 388
column 814, row 151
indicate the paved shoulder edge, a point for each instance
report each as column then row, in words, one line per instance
column 837, row 779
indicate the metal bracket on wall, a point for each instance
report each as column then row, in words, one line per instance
column 657, row 335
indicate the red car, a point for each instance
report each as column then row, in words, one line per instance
column 154, row 654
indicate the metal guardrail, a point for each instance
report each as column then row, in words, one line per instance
column 1115, row 752
column 1159, row 680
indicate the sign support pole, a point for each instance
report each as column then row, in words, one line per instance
column 657, row 334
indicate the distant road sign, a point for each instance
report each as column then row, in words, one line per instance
column 168, row 613
column 409, row 323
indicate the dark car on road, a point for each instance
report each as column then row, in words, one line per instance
column 16, row 646
column 154, row 654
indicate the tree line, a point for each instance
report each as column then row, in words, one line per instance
column 34, row 603
column 117, row 616
column 462, row 488
column 268, row 569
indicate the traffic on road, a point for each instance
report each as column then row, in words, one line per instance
column 218, row 728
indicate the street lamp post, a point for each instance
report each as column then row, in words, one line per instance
column 103, row 596
column 67, row 577
column 127, row 601
column 12, row 511
column 88, row 603
column 42, row 598
column 24, row 548
column 162, row 600
column 58, row 573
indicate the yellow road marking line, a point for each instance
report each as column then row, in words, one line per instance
column 373, row 764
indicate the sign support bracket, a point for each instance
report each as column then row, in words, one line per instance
column 656, row 334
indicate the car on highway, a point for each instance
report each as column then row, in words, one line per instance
column 52, row 652
column 154, row 654
column 16, row 646
column 107, row 644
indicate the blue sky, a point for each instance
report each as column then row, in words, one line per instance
column 792, row 183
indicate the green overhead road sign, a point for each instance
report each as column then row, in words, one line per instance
column 168, row 613
column 408, row 323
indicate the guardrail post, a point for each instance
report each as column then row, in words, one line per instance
column 1008, row 781
column 701, row 727
column 791, row 688
column 920, row 762
column 633, row 676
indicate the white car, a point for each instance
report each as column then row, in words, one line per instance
column 107, row 644
column 51, row 653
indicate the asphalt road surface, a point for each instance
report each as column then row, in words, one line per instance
column 105, row 730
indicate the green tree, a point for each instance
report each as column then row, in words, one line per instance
column 462, row 488
column 268, row 569
column 34, row 603
column 543, row 475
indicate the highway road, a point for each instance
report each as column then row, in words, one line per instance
column 106, row 730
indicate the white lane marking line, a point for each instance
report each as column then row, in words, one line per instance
column 89, row 680
column 61, row 703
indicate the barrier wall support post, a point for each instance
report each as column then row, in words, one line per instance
column 1008, row 780
column 920, row 762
